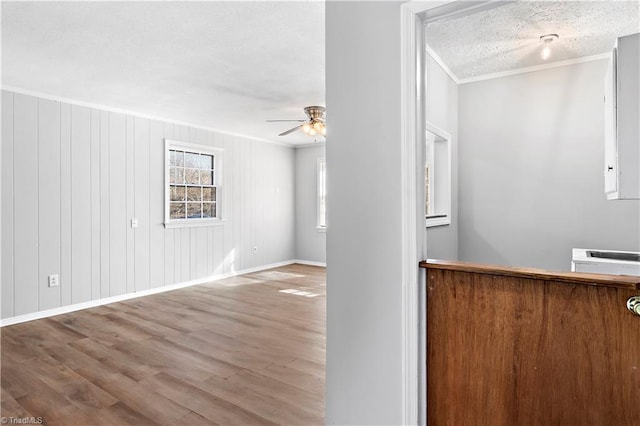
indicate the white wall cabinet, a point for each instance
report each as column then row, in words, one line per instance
column 622, row 121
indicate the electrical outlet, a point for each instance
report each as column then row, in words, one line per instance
column 134, row 223
column 53, row 281
column 255, row 250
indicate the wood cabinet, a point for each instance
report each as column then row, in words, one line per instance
column 510, row 346
column 622, row 120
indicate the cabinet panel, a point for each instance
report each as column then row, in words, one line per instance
column 622, row 120
column 510, row 350
column 610, row 137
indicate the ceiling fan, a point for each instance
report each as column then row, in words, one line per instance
column 314, row 126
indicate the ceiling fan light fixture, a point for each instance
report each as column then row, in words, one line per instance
column 306, row 127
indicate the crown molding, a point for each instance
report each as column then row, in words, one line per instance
column 535, row 68
column 441, row 63
column 137, row 114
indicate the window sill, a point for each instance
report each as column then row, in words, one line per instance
column 321, row 229
column 194, row 223
column 437, row 221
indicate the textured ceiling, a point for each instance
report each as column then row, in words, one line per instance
column 507, row 37
column 224, row 65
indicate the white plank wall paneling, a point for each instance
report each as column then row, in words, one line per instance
column 117, row 205
column 105, row 232
column 80, row 204
column 65, row 206
column 228, row 210
column 95, row 204
column 7, row 207
column 141, row 205
column 74, row 177
column 25, row 219
column 48, row 202
column 129, row 202
column 156, row 206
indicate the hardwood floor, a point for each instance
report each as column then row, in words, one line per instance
column 240, row 351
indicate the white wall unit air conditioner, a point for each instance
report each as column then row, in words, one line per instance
column 605, row 261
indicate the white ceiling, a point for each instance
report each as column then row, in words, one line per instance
column 231, row 65
column 507, row 37
column 223, row 65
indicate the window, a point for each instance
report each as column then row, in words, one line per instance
column 193, row 178
column 437, row 177
column 322, row 194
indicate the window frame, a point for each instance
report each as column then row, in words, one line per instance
column 321, row 194
column 218, row 173
column 441, row 212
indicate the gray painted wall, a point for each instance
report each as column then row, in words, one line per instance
column 364, row 303
column 531, row 170
column 442, row 110
column 310, row 243
column 73, row 177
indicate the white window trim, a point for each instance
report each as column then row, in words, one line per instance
column 319, row 227
column 218, row 166
column 446, row 220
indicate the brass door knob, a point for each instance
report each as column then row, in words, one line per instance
column 633, row 304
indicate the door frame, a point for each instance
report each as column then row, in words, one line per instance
column 414, row 14
column 413, row 239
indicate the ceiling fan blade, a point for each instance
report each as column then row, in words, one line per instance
column 290, row 130
column 275, row 121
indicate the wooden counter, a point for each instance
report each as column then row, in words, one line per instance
column 617, row 281
column 514, row 346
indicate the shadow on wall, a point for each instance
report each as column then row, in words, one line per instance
column 484, row 251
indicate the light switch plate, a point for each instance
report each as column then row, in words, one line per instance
column 134, row 223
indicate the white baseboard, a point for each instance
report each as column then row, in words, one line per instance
column 310, row 262
column 107, row 300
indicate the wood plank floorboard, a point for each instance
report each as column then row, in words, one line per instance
column 246, row 350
